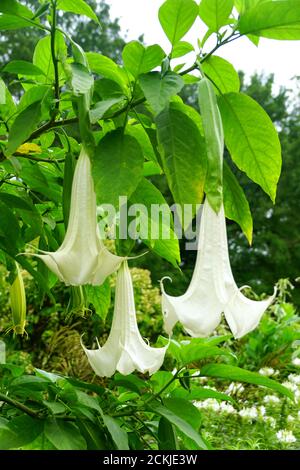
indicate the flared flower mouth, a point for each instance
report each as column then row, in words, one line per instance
column 125, row 350
column 213, row 290
column 82, row 258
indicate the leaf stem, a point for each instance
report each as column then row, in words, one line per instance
column 19, row 406
column 54, row 59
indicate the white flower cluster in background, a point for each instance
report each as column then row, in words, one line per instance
column 285, row 436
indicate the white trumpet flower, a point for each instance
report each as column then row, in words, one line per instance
column 82, row 258
column 212, row 289
column 125, row 350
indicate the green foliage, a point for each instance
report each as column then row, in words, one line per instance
column 177, row 17
column 215, row 13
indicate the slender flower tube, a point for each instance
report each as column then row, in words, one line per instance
column 212, row 289
column 82, row 258
column 18, row 303
column 125, row 350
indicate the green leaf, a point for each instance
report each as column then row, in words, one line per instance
column 235, row 203
column 13, row 7
column 107, row 68
column 241, row 375
column 252, row 140
column 198, row 393
column 93, row 435
column 222, row 74
column 10, row 22
column 177, row 17
column 158, row 90
column 23, row 126
column 186, row 410
column 215, row 13
column 179, row 422
column 102, row 107
column 139, row 133
column 25, row 209
column 167, row 439
column 181, row 48
column 160, row 238
column 2, row 92
column 183, row 153
column 100, row 298
column 64, row 435
column 139, row 59
column 120, row 175
column 82, row 80
column 19, row 431
column 119, row 436
column 195, row 353
column 42, row 57
column 80, row 7
column 273, row 20
column 214, row 138
column 243, row 5
column 7, row 105
column 22, row 67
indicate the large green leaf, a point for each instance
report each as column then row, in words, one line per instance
column 82, row 80
column 140, row 134
column 99, row 297
column 80, row 7
column 199, row 393
column 273, row 20
column 139, row 59
column 100, row 109
column 119, row 435
column 215, row 13
column 167, row 439
column 184, row 426
column 12, row 7
column 222, row 74
column 107, row 68
column 159, row 89
column 177, row 17
column 64, row 435
column 22, row 127
column 117, row 167
column 9, row 22
column 159, row 237
column 42, row 57
column 22, row 67
column 214, row 138
column 252, row 140
column 181, row 48
column 183, row 153
column 20, row 431
column 224, row 371
column 243, row 5
column 235, row 203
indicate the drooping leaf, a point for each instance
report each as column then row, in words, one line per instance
column 22, row 67
column 159, row 89
column 242, row 375
column 215, row 13
column 80, row 7
column 252, row 140
column 99, row 297
column 214, row 138
column 183, row 153
column 100, row 109
column 117, row 167
column 82, row 80
column 139, row 59
column 180, row 423
column 222, row 74
column 64, row 435
column 22, row 127
column 273, row 20
column 160, row 237
column 119, row 435
column 167, row 439
column 177, row 17
column 235, row 203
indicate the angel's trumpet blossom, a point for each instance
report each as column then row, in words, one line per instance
column 125, row 350
column 82, row 258
column 213, row 289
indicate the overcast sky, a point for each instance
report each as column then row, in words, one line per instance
column 279, row 57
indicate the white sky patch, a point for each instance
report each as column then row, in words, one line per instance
column 139, row 17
